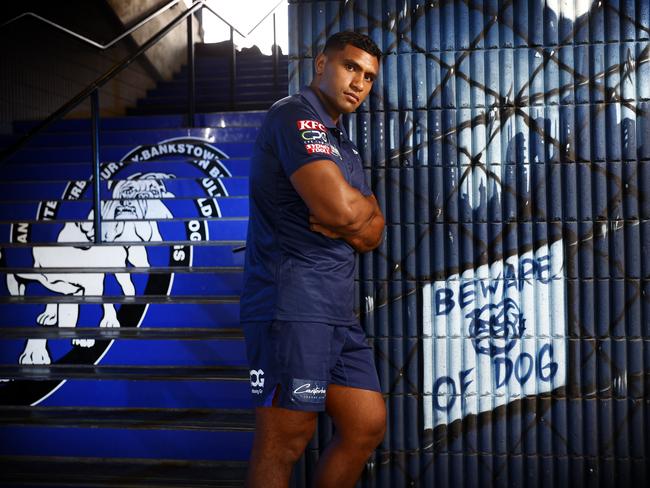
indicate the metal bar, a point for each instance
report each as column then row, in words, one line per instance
column 70, row 105
column 57, row 372
column 232, row 27
column 101, row 299
column 233, row 68
column 19, row 470
column 190, row 79
column 130, row 333
column 264, row 18
column 97, row 203
column 206, row 419
column 90, row 41
column 276, row 67
column 126, row 269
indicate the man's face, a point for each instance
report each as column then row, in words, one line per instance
column 344, row 78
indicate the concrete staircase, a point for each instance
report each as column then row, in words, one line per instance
column 122, row 363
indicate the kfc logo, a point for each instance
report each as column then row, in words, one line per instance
column 311, row 125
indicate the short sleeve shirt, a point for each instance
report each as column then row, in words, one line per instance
column 292, row 273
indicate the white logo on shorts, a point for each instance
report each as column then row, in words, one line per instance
column 257, row 380
column 310, row 391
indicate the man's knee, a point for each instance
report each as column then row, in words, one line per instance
column 374, row 428
column 296, row 440
column 365, row 432
column 284, row 434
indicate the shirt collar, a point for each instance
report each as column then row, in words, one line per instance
column 315, row 102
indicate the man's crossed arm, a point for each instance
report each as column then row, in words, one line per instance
column 338, row 210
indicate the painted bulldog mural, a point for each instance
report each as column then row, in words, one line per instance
column 130, row 217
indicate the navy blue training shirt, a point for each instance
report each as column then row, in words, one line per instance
column 292, row 273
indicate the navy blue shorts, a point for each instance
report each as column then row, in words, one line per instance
column 303, row 358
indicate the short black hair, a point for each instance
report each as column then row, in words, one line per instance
column 339, row 40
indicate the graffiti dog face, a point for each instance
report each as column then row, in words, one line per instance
column 495, row 328
column 133, row 196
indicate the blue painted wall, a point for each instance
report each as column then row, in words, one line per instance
column 508, row 144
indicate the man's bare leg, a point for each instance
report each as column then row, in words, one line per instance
column 281, row 436
column 360, row 420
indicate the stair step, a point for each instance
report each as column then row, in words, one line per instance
column 179, row 108
column 209, row 420
column 209, row 256
column 22, row 190
column 183, row 208
column 223, row 48
column 218, row 97
column 224, row 231
column 86, row 472
column 117, row 299
column 79, row 170
column 107, row 153
column 209, row 52
column 207, row 315
column 58, row 372
column 210, row 55
column 194, row 285
column 133, row 270
column 111, row 137
column 215, row 94
column 245, row 85
column 218, row 119
column 216, row 136
column 187, row 445
column 115, row 333
column 251, row 70
column 176, row 391
column 246, row 68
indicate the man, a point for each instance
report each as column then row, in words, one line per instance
column 310, row 210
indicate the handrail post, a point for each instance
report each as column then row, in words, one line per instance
column 276, row 67
column 97, row 203
column 233, row 68
column 190, row 78
column 98, row 83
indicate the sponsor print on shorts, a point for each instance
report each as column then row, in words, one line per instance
column 308, row 391
column 257, row 381
column 493, row 335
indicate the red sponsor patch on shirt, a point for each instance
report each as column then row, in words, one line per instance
column 318, row 148
column 311, row 125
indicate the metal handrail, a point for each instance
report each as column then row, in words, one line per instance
column 265, row 17
column 233, row 57
column 232, row 27
column 135, row 27
column 99, row 82
column 256, row 25
column 92, row 90
column 90, row 41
